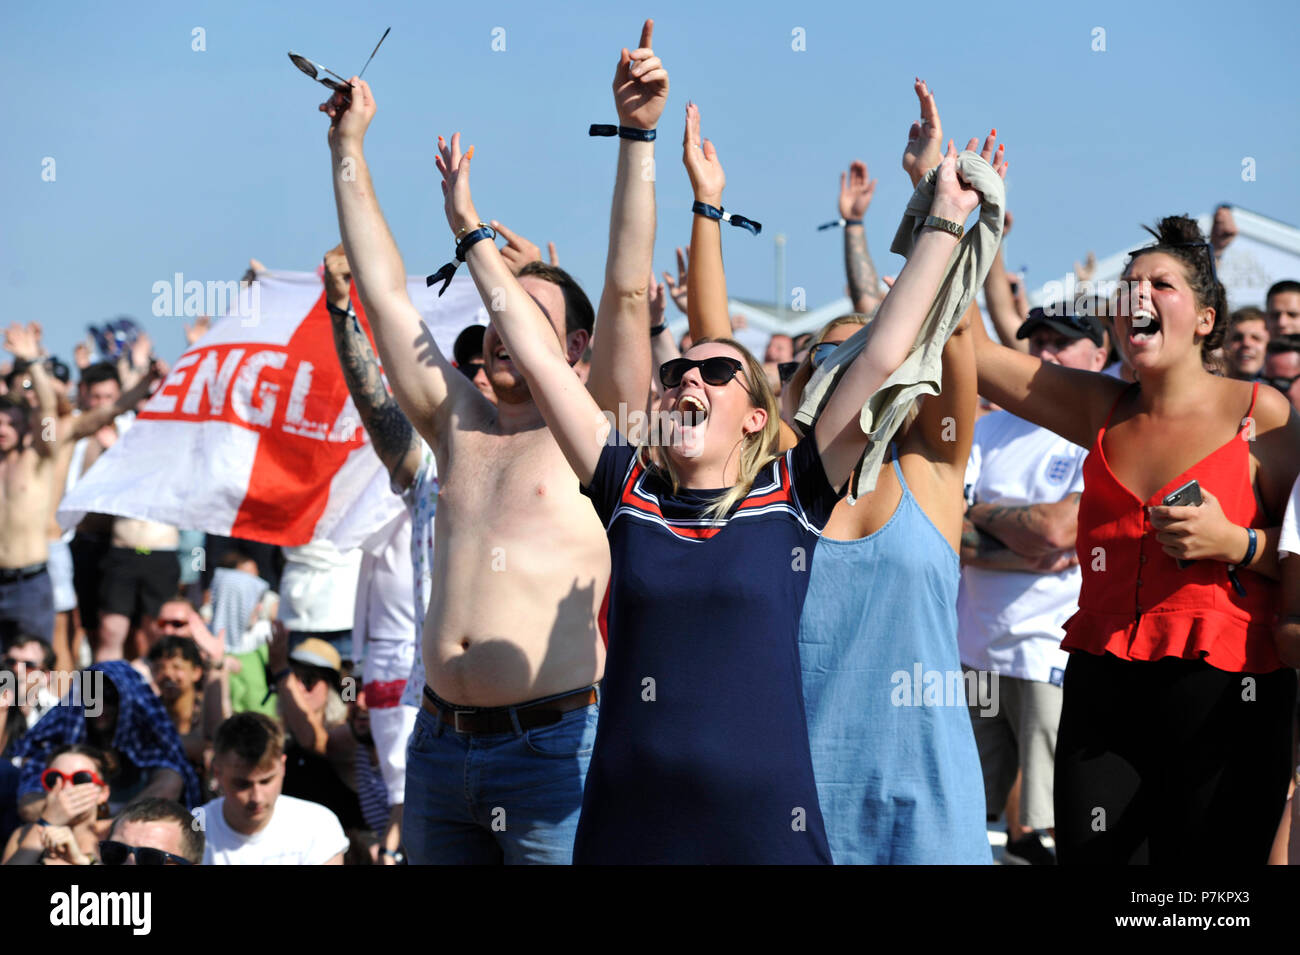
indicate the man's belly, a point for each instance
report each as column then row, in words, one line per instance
column 510, row 635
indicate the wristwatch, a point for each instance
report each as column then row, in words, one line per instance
column 946, row 225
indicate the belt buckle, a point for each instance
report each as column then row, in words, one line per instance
column 456, row 715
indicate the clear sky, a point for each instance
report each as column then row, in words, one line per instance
column 169, row 159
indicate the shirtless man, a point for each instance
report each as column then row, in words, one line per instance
column 30, row 438
column 520, row 564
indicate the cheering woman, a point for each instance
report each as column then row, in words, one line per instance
column 1175, row 736
column 702, row 747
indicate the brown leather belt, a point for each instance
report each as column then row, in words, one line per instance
column 496, row 720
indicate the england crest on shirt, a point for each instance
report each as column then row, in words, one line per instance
column 1058, row 468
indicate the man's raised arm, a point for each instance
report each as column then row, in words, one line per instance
column 421, row 376
column 620, row 363
column 391, row 434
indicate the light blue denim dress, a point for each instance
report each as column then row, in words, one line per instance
column 897, row 772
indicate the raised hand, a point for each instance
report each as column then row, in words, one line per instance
column 457, row 202
column 658, row 301
column 701, row 160
column 518, row 251
column 196, row 331
column 640, row 84
column 23, row 341
column 338, row 276
column 925, row 138
column 349, row 119
column 81, row 355
column 1223, row 230
column 954, row 198
column 856, row 191
column 1084, row 271
column 677, row 289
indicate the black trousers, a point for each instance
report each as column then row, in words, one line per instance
column 1171, row 762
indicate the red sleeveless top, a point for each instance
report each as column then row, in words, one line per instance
column 1135, row 602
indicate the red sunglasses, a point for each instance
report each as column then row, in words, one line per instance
column 51, row 777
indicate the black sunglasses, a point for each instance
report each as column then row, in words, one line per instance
column 315, row 69
column 116, row 853
column 470, row 369
column 820, row 352
column 717, row 370
column 1281, row 383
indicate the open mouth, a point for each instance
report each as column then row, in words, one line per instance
column 501, row 355
column 692, row 411
column 1143, row 327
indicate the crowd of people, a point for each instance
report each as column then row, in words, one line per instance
column 849, row 601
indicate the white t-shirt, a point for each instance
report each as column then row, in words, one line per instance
column 318, row 587
column 1289, row 542
column 299, row 833
column 422, row 500
column 1011, row 622
column 384, row 610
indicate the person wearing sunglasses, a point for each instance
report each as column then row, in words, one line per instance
column 895, row 784
column 702, row 751
column 1282, row 367
column 512, row 639
column 153, row 831
column 70, row 825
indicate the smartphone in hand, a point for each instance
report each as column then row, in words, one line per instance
column 1189, row 493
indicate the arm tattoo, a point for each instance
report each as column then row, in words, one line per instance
column 390, row 431
column 978, row 543
column 863, row 280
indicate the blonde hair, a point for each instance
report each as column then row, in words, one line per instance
column 758, row 448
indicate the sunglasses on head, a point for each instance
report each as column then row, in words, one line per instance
column 116, row 853
column 338, row 84
column 50, row 778
column 715, row 371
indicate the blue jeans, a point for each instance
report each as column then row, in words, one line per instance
column 510, row 798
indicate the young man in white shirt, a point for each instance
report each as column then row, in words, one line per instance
column 252, row 823
column 1020, row 583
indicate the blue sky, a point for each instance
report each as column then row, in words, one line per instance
column 170, row 160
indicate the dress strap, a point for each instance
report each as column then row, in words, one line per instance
column 1121, row 397
column 898, row 468
column 1254, row 393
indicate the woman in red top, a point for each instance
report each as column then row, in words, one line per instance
column 1175, row 735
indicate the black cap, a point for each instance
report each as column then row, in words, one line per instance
column 58, row 369
column 1067, row 322
column 469, row 343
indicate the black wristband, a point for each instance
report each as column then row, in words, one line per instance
column 1253, row 542
column 622, row 132
column 445, row 273
column 837, row 223
column 715, row 212
column 657, row 329
column 341, row 313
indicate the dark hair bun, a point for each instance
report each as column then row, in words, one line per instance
column 1177, row 230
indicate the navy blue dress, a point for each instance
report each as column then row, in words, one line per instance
column 702, row 751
